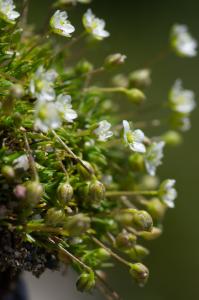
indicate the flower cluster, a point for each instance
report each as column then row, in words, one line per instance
column 76, row 180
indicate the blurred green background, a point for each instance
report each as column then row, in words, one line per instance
column 140, row 29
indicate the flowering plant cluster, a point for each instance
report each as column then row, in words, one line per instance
column 78, row 183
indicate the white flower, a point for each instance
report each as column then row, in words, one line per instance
column 41, row 84
column 64, row 108
column 167, row 192
column 102, row 131
column 46, row 116
column 181, row 100
column 21, row 162
column 153, row 157
column 134, row 138
column 7, row 12
column 182, row 42
column 94, row 26
column 60, row 24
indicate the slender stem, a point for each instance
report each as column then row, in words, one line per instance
column 73, row 155
column 56, row 242
column 106, row 89
column 131, row 193
column 30, row 227
column 113, row 254
column 31, row 159
column 105, row 289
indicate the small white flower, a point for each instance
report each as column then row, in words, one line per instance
column 181, row 100
column 21, row 162
column 103, row 131
column 182, row 42
column 46, row 116
column 94, row 25
column 60, row 24
column 167, row 192
column 134, row 138
column 64, row 108
column 153, row 157
column 41, row 84
column 7, row 12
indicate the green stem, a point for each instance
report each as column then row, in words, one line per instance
column 30, row 227
column 73, row 155
column 131, row 193
column 106, row 89
column 31, row 159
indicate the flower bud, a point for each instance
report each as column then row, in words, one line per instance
column 17, row 91
column 77, row 224
column 125, row 240
column 135, row 95
column 8, row 172
column 137, row 253
column 156, row 208
column 120, row 80
column 114, row 60
column 55, row 217
column 142, row 221
column 20, row 191
column 64, row 192
column 140, row 273
column 34, row 192
column 96, row 192
column 172, row 138
column 85, row 282
column 140, row 78
column 152, row 235
column 136, row 161
column 124, row 217
column 84, row 67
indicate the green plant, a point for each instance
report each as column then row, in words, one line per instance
column 75, row 185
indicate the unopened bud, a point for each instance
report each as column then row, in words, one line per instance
column 77, row 224
column 125, row 240
column 140, row 78
column 8, row 172
column 114, row 60
column 136, row 161
column 34, row 192
column 55, row 217
column 86, row 171
column 17, row 91
column 135, row 95
column 20, row 191
column 64, row 192
column 96, row 192
column 137, row 253
column 156, row 208
column 142, row 221
column 172, row 138
column 152, row 235
column 140, row 273
column 85, row 282
column 120, row 80
column 84, row 67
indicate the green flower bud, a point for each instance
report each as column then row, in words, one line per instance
column 140, row 78
column 17, row 91
column 142, row 221
column 172, row 138
column 125, row 240
column 156, row 208
column 152, row 235
column 85, row 282
column 96, row 192
column 136, row 161
column 77, row 224
column 84, row 67
column 135, row 95
column 8, row 172
column 34, row 192
column 55, row 217
column 124, row 217
column 137, row 253
column 140, row 273
column 114, row 60
column 64, row 192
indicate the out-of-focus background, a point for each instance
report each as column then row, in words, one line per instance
column 140, row 29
